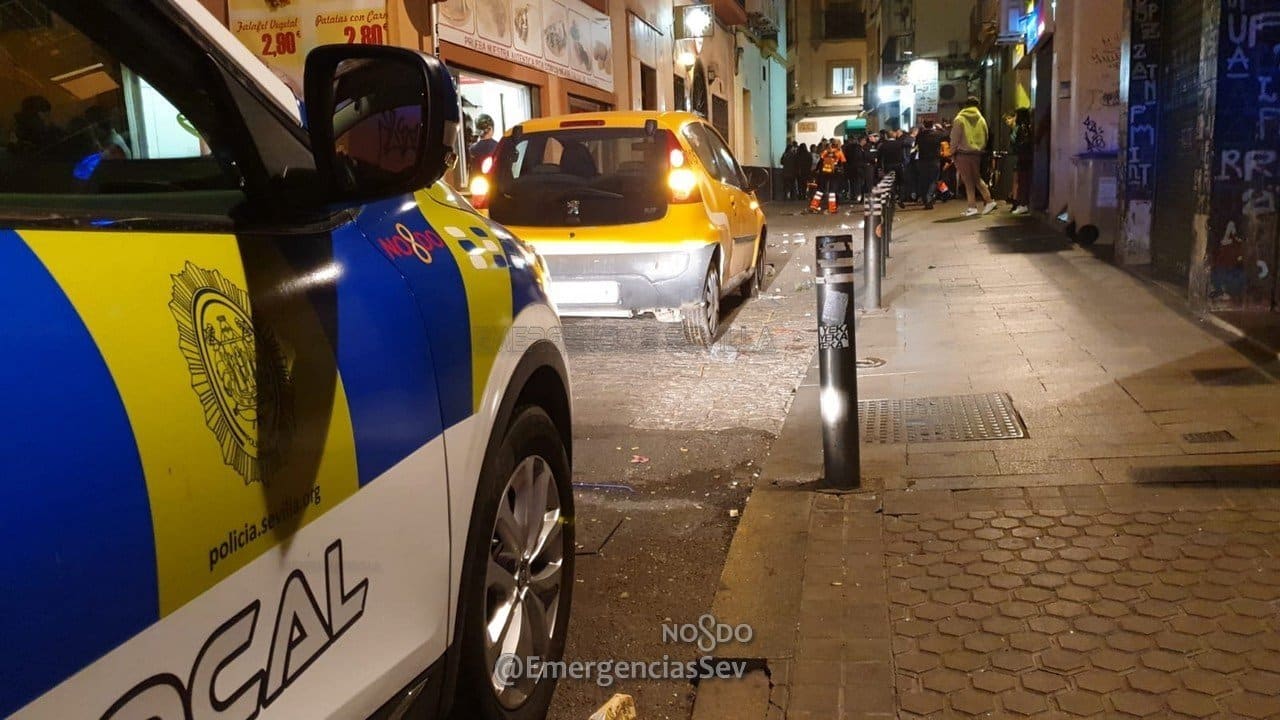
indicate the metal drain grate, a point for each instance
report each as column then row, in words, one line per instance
column 959, row 418
column 1204, row 438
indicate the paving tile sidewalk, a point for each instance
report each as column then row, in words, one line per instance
column 1112, row 564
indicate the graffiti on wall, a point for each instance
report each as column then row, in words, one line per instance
column 1095, row 140
column 1242, row 223
column 1144, row 100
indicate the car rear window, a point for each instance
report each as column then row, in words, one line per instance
column 582, row 176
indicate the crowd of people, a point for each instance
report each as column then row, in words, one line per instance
column 931, row 163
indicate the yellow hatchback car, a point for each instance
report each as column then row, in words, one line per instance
column 637, row 214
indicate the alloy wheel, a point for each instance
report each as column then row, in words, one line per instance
column 524, row 579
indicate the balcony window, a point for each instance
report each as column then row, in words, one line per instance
column 844, row 20
column 844, row 80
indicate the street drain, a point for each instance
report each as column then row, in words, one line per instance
column 1204, row 438
column 958, row 418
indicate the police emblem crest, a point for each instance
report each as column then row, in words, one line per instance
column 239, row 374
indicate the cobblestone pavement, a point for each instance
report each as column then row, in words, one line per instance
column 640, row 374
column 668, row 443
column 1089, row 612
column 1122, row 561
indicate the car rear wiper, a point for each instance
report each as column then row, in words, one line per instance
column 591, row 192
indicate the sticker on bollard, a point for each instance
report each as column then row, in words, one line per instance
column 837, row 362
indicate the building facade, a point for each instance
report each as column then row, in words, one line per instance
column 1201, row 148
column 924, row 66
column 826, row 68
column 518, row 59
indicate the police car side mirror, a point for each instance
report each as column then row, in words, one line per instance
column 383, row 121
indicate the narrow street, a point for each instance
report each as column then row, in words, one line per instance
column 670, row 440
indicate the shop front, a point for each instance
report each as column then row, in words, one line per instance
column 512, row 61
column 519, row 60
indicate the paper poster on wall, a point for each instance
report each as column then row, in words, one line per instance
column 579, row 41
column 282, row 32
column 555, row 32
column 568, row 39
column 526, row 21
column 458, row 14
column 493, row 21
column 602, row 49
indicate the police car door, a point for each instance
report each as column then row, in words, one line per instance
column 222, row 486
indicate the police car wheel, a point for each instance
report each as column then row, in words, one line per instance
column 519, row 574
column 702, row 322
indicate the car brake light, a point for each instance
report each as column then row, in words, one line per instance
column 581, row 123
column 480, row 192
column 683, row 184
column 677, row 158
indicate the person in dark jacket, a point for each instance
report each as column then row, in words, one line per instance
column 802, row 166
column 928, row 162
column 787, row 163
column 893, row 157
column 1022, row 148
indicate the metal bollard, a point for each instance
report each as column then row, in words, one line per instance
column 871, row 245
column 838, row 362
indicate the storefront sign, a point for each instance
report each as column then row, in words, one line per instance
column 282, row 32
column 565, row 38
column 923, row 76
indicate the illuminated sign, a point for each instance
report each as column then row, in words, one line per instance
column 695, row 21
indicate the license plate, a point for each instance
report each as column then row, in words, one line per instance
column 584, row 293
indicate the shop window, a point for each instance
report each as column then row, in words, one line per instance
column 486, row 102
column 681, row 93
column 791, row 87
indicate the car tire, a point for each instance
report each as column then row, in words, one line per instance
column 754, row 284
column 530, row 469
column 701, row 323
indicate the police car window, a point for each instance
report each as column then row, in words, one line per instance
column 76, row 120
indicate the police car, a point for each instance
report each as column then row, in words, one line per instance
column 286, row 424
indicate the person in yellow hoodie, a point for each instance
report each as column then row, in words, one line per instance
column 969, row 136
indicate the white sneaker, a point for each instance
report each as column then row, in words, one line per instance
column 1021, row 210
column 970, row 212
column 990, row 208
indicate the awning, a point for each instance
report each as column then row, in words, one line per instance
column 852, row 126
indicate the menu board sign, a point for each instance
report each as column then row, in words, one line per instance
column 282, row 32
column 566, row 38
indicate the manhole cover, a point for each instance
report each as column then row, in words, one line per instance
column 958, row 418
column 1203, row 438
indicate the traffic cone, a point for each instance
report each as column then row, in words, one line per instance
column 816, row 205
column 831, row 203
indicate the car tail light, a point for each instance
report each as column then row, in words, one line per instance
column 480, row 192
column 681, row 179
column 683, row 184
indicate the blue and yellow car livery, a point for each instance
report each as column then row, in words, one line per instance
column 230, row 452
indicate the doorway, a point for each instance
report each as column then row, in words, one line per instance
column 1042, row 87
